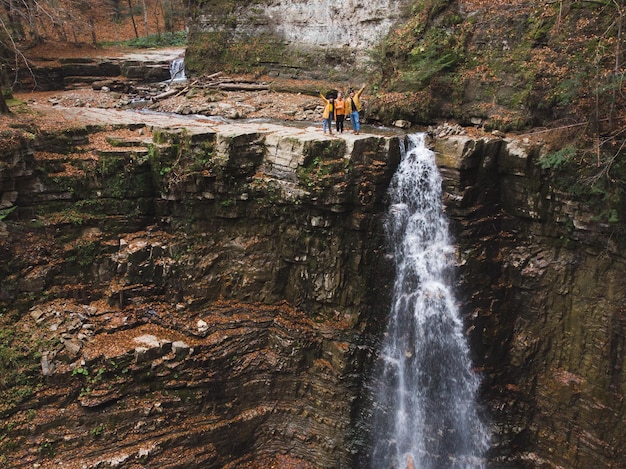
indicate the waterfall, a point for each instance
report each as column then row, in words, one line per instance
column 177, row 69
column 424, row 391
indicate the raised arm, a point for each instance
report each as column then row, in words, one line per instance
column 358, row 93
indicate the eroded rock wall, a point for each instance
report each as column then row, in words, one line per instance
column 544, row 289
column 293, row 35
column 195, row 298
column 117, row 73
column 188, row 297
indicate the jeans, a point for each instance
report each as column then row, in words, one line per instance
column 327, row 124
column 354, row 118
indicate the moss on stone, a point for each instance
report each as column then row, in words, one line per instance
column 220, row 50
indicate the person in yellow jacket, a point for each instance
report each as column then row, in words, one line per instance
column 327, row 115
column 340, row 111
column 353, row 106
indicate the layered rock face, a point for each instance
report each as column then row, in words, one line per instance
column 118, row 73
column 211, row 295
column 293, row 35
column 542, row 276
column 195, row 298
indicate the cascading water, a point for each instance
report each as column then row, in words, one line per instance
column 177, row 69
column 424, row 403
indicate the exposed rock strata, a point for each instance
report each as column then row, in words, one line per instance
column 46, row 74
column 542, row 273
column 211, row 296
column 294, row 36
column 200, row 298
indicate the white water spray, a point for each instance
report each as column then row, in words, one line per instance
column 177, row 69
column 425, row 407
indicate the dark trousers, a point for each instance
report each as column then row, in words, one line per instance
column 340, row 119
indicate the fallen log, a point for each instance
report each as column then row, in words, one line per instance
column 165, row 94
column 183, row 91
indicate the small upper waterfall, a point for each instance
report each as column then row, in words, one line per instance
column 177, row 69
column 424, row 392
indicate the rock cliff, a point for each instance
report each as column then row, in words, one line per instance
column 296, row 36
column 190, row 297
column 118, row 71
column 204, row 294
column 187, row 292
column 542, row 276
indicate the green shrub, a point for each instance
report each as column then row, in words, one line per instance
column 557, row 159
column 5, row 212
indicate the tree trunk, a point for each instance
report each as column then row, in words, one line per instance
column 132, row 17
column 619, row 7
column 168, row 16
column 32, row 21
column 156, row 19
column 92, row 26
column 4, row 108
column 145, row 18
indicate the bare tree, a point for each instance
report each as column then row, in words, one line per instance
column 618, row 75
column 132, row 17
column 168, row 15
column 156, row 20
column 145, row 17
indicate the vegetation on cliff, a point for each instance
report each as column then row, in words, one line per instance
column 555, row 67
column 514, row 64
